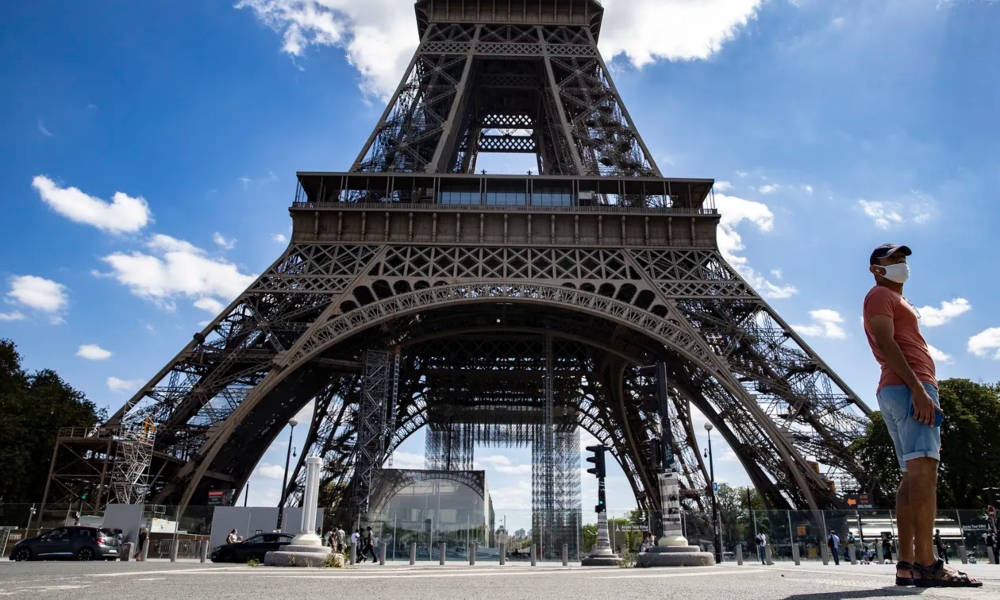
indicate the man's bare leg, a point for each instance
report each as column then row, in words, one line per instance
column 904, row 526
column 922, row 496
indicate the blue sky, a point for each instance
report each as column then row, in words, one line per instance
column 834, row 125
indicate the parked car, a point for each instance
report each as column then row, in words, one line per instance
column 68, row 543
column 255, row 547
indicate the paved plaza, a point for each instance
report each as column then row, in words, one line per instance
column 161, row 580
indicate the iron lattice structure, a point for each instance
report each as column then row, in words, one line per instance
column 129, row 476
column 520, row 304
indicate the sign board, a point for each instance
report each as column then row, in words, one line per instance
column 860, row 501
column 801, row 530
column 715, row 486
column 220, row 497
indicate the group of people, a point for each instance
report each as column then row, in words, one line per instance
column 362, row 539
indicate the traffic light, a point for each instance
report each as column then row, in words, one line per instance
column 654, row 393
column 598, row 460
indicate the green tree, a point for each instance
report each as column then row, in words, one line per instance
column 970, row 446
column 34, row 406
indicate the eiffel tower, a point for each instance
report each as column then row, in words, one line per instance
column 499, row 309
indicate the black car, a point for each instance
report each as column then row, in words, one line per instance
column 68, row 543
column 255, row 547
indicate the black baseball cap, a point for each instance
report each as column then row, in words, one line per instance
column 887, row 250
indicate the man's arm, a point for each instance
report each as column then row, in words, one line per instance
column 884, row 330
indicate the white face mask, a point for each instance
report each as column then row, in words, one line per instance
column 898, row 272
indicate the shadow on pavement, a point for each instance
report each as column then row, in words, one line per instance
column 886, row 592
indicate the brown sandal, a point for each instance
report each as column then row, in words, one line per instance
column 938, row 575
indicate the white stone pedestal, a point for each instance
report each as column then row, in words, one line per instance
column 306, row 549
column 602, row 556
column 672, row 550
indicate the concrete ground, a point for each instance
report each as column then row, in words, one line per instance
column 399, row 581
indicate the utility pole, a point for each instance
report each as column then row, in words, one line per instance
column 715, row 500
column 284, row 480
column 672, row 549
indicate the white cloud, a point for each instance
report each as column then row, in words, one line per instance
column 38, row 293
column 93, row 352
column 933, row 317
column 986, row 342
column 209, row 304
column 245, row 181
column 647, row 30
column 407, row 460
column 380, row 36
column 734, row 211
column 124, row 385
column 512, row 498
column 917, row 208
column 123, row 214
column 826, row 323
column 279, row 238
column 502, row 464
column 11, row 316
column 42, row 130
column 808, row 189
column 938, row 355
column 885, row 214
column 221, row 241
column 723, row 186
column 769, row 188
column 269, row 471
column 178, row 269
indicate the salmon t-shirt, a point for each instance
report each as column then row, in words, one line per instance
column 883, row 301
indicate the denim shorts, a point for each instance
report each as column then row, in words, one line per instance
column 911, row 438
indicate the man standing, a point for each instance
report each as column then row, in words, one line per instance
column 833, row 543
column 942, row 550
column 908, row 399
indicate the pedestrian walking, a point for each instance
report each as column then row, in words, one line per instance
column 761, row 541
column 356, row 542
column 908, row 398
column 942, row 550
column 369, row 544
column 833, row 543
column 341, row 539
column 143, row 536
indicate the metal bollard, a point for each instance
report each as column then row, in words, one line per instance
column 441, row 558
column 381, row 557
column 503, row 554
column 413, row 553
column 963, row 554
column 990, row 555
column 354, row 553
column 145, row 550
column 795, row 555
column 533, row 559
column 892, row 553
column 853, row 550
column 173, row 550
column 767, row 554
column 879, row 559
column 125, row 552
column 474, row 547
column 565, row 555
column 825, row 553
column 739, row 554
column 204, row 551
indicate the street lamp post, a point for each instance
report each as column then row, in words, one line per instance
column 284, row 480
column 715, row 502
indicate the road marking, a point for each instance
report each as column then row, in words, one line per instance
column 694, row 573
column 151, row 579
column 160, row 572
